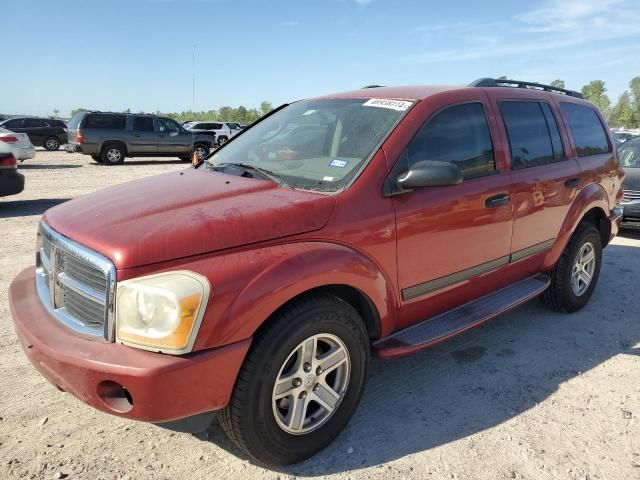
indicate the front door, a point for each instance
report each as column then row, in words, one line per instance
column 454, row 238
column 172, row 138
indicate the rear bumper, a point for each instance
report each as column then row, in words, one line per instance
column 11, row 183
column 117, row 379
column 26, row 153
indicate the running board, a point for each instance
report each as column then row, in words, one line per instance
column 436, row 329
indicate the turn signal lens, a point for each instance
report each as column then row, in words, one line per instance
column 161, row 312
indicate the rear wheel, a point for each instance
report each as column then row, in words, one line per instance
column 300, row 383
column 575, row 276
column 222, row 140
column 112, row 154
column 201, row 151
column 52, row 144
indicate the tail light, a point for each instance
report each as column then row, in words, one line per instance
column 79, row 137
column 8, row 161
column 8, row 139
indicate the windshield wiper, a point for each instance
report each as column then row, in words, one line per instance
column 268, row 174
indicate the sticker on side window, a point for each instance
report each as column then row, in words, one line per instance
column 399, row 105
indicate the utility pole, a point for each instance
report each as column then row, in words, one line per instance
column 193, row 80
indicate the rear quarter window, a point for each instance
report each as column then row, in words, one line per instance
column 105, row 121
column 586, row 129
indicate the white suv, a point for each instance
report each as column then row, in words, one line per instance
column 223, row 130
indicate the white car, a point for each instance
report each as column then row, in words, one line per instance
column 223, row 130
column 19, row 143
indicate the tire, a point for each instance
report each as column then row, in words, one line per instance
column 112, row 154
column 201, row 150
column 568, row 291
column 222, row 140
column 256, row 422
column 52, row 144
column 96, row 157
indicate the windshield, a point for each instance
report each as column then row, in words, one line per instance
column 629, row 154
column 315, row 144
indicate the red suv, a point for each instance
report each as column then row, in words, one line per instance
column 257, row 283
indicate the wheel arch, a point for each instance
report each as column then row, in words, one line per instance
column 591, row 205
column 116, row 142
column 303, row 269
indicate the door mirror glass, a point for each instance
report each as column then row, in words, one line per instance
column 430, row 174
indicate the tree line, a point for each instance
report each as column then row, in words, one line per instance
column 239, row 114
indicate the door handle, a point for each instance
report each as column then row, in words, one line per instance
column 497, row 200
column 572, row 183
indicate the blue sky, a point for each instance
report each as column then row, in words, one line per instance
column 137, row 54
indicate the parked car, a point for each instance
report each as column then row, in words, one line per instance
column 623, row 136
column 110, row 137
column 257, row 285
column 19, row 144
column 43, row 132
column 222, row 130
column 629, row 154
column 11, row 182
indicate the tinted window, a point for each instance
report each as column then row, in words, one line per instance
column 460, row 135
column 33, row 123
column 198, row 126
column 530, row 134
column 586, row 129
column 143, row 124
column 105, row 121
column 216, row 126
column 16, row 123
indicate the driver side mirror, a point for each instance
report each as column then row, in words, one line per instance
column 430, row 174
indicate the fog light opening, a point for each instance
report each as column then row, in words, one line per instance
column 115, row 396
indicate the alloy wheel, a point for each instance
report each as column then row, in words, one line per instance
column 583, row 269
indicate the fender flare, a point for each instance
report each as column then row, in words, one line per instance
column 590, row 197
column 299, row 268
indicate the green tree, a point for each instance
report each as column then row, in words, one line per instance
column 265, row 107
column 558, row 83
column 634, row 85
column 623, row 113
column 595, row 92
column 77, row 110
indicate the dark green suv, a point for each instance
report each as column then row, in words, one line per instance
column 110, row 137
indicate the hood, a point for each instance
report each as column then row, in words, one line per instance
column 186, row 213
column 631, row 179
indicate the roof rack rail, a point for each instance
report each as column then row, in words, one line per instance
column 493, row 82
column 372, row 86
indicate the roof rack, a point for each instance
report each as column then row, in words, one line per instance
column 492, row 82
column 372, row 86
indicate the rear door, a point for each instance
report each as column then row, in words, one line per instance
column 545, row 178
column 144, row 140
column 37, row 129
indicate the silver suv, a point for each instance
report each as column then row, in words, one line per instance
column 222, row 130
column 110, row 137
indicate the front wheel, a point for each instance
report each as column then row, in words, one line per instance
column 575, row 276
column 301, row 381
column 222, row 140
column 201, row 151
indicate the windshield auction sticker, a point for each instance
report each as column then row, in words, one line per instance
column 399, row 105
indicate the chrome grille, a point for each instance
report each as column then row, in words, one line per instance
column 75, row 284
column 631, row 195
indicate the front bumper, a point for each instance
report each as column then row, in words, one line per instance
column 117, row 379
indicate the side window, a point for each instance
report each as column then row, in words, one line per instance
column 530, row 134
column 216, row 126
column 556, row 141
column 460, row 135
column 167, row 125
column 33, row 123
column 14, row 123
column 105, row 121
column 143, row 124
column 586, row 129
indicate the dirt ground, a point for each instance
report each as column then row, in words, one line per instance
column 533, row 394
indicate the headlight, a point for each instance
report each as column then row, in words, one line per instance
column 161, row 312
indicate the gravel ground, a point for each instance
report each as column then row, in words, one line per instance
column 533, row 394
